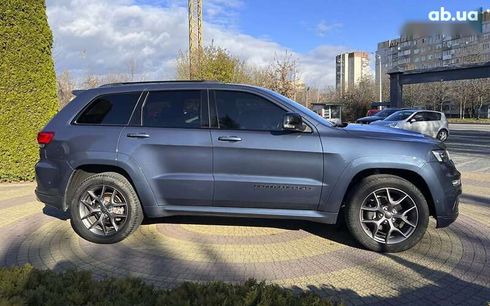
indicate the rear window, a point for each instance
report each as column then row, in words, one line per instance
column 113, row 109
column 430, row 116
column 173, row 109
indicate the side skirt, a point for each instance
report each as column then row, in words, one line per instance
column 175, row 210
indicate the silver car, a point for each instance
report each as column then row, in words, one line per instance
column 427, row 122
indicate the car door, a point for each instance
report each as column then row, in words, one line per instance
column 418, row 122
column 170, row 142
column 255, row 163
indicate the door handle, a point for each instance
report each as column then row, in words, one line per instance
column 138, row 135
column 229, row 138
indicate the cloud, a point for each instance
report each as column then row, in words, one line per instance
column 323, row 28
column 103, row 37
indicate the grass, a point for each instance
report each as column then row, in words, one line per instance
column 28, row 286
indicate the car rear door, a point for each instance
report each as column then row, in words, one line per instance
column 169, row 140
column 255, row 163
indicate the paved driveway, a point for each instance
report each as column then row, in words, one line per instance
column 449, row 266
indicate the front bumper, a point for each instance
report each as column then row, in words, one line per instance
column 445, row 187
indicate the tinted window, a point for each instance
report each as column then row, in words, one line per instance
column 429, row 116
column 244, row 111
column 173, row 109
column 400, row 115
column 114, row 109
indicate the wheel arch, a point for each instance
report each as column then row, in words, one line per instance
column 409, row 175
column 82, row 172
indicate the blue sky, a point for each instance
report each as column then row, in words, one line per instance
column 100, row 37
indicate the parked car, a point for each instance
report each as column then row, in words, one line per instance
column 378, row 116
column 372, row 112
column 123, row 151
column 431, row 123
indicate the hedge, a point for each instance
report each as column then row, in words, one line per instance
column 27, row 85
column 28, row 286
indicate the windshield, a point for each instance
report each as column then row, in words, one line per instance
column 385, row 112
column 308, row 111
column 400, row 115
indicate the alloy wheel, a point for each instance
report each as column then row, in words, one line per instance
column 442, row 135
column 389, row 215
column 103, row 210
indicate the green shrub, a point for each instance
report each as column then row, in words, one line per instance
column 27, row 85
column 28, row 286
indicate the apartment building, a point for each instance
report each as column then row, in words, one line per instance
column 350, row 69
column 434, row 45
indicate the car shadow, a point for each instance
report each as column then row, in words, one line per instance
column 335, row 232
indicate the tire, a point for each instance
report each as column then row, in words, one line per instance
column 120, row 215
column 443, row 135
column 364, row 214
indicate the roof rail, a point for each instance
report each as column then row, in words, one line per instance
column 156, row 82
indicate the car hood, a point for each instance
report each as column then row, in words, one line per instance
column 370, row 118
column 387, row 133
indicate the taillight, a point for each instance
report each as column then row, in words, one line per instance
column 44, row 138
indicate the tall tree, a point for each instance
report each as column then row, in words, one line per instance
column 27, row 85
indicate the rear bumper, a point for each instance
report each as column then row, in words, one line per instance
column 52, row 178
column 52, row 200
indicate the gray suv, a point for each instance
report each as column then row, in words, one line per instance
column 125, row 151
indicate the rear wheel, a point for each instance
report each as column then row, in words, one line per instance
column 387, row 213
column 105, row 208
column 442, row 135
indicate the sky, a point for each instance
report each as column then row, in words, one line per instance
column 104, row 36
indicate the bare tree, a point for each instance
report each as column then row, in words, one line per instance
column 65, row 86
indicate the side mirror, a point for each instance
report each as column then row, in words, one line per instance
column 412, row 120
column 292, row 122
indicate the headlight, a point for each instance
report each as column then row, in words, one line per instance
column 442, row 156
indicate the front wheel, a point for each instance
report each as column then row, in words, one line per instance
column 387, row 213
column 105, row 208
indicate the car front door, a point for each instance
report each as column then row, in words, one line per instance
column 169, row 140
column 255, row 163
column 418, row 122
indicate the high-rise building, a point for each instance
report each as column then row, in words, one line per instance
column 350, row 69
column 432, row 46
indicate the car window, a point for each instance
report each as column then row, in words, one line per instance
column 245, row 111
column 400, row 115
column 113, row 109
column 430, row 116
column 173, row 109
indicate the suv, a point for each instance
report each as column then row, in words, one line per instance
column 123, row 151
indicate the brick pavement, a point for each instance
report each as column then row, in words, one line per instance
column 449, row 266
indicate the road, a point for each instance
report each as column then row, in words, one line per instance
column 469, row 140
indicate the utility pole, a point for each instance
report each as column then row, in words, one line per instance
column 195, row 36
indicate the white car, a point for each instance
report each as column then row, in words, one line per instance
column 427, row 122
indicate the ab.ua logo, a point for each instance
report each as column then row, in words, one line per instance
column 443, row 15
